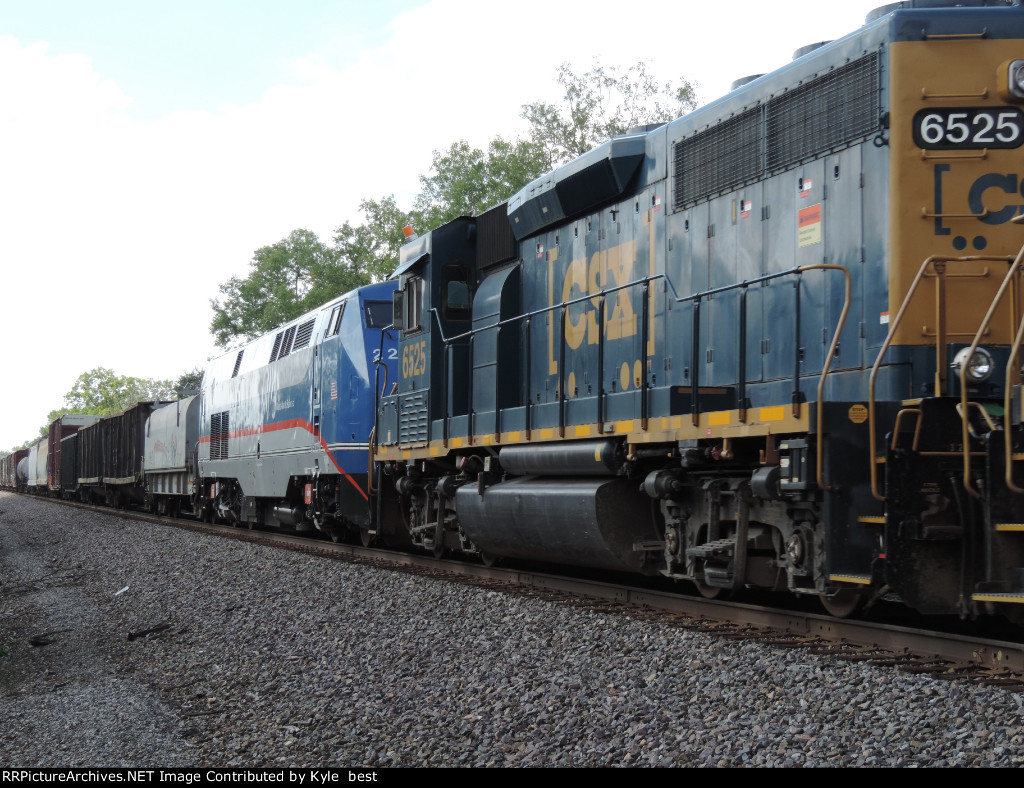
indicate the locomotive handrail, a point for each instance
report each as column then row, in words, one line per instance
column 827, row 365
column 939, row 344
column 589, row 296
column 1007, row 426
column 645, row 283
column 1011, row 367
column 1003, row 287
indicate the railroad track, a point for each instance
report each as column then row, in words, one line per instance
column 914, row 650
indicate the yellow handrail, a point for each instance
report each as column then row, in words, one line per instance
column 819, row 459
column 929, row 262
column 965, row 421
column 1007, row 397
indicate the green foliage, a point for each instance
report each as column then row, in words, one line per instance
column 372, row 247
column 286, row 279
column 300, row 272
column 600, row 104
column 188, row 381
column 102, row 392
column 465, row 181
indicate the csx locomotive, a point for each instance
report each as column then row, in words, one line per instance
column 774, row 343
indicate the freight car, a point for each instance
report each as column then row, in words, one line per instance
column 61, row 428
column 9, row 469
column 36, row 467
column 170, row 457
column 774, row 343
column 110, row 455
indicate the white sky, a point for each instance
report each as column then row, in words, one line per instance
column 147, row 149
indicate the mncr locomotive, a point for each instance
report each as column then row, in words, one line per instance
column 774, row 343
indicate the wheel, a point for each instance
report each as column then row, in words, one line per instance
column 843, row 603
column 439, row 548
column 712, row 592
column 489, row 559
column 366, row 538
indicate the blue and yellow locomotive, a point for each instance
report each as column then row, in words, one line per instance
column 774, row 343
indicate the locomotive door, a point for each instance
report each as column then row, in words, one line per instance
column 734, row 255
column 844, row 239
column 327, row 383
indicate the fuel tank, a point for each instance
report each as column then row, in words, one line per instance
column 580, row 521
column 584, row 458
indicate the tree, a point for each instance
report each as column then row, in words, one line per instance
column 286, row 279
column 371, row 248
column 102, row 392
column 188, row 381
column 600, row 104
column 299, row 273
column 465, row 181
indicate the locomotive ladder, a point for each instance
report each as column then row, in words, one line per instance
column 937, row 266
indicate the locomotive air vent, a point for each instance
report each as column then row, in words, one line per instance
column 303, row 334
column 806, row 50
column 738, row 83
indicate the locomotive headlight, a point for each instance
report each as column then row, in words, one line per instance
column 1017, row 78
column 979, row 365
column 1011, row 80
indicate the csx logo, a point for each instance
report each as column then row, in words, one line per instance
column 988, row 192
column 607, row 268
column 993, row 198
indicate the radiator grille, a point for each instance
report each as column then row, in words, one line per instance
column 220, row 429
column 303, row 334
column 412, row 418
column 495, row 241
column 286, row 343
column 719, row 158
column 823, row 115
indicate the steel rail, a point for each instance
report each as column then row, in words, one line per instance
column 889, row 644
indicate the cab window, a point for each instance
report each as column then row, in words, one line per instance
column 456, row 303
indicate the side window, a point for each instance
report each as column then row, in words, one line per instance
column 334, row 324
column 413, row 291
column 455, row 295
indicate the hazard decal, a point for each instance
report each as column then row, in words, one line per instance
column 809, row 225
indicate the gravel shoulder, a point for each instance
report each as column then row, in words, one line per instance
column 263, row 658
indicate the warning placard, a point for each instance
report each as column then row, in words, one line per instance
column 809, row 225
column 858, row 414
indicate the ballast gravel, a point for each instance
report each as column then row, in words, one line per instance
column 262, row 658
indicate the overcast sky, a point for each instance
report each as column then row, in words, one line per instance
column 147, row 149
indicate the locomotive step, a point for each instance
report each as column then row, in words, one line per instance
column 708, row 549
column 1016, row 598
